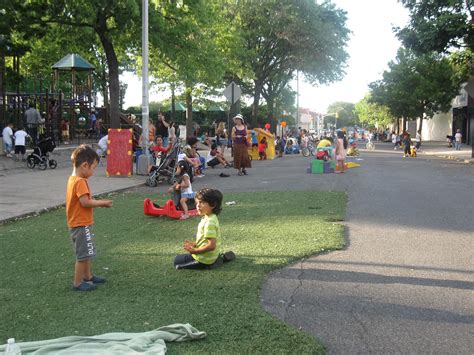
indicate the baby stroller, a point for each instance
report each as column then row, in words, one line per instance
column 164, row 168
column 40, row 155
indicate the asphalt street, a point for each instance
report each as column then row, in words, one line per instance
column 404, row 283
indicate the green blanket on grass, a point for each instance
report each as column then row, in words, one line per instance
column 152, row 342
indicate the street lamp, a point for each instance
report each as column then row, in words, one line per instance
column 145, row 108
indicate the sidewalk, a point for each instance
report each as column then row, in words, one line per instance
column 26, row 191
column 441, row 150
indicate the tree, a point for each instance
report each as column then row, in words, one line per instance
column 373, row 114
column 113, row 21
column 438, row 25
column 417, row 86
column 282, row 36
column 190, row 57
column 342, row 113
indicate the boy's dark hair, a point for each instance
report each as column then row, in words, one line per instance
column 213, row 197
column 213, row 146
column 186, row 168
column 84, row 154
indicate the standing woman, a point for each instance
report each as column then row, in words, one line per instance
column 239, row 137
column 221, row 136
column 172, row 133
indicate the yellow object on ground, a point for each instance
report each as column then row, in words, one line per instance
column 324, row 143
column 348, row 165
column 270, row 144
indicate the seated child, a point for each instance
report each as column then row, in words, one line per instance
column 215, row 157
column 183, row 184
column 203, row 253
column 262, row 147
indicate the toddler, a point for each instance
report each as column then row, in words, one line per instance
column 80, row 216
column 184, row 186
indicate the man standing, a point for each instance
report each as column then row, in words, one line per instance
column 162, row 128
column 7, row 135
column 33, row 118
column 458, row 139
column 93, row 120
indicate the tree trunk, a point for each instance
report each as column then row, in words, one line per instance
column 189, row 113
column 256, row 101
column 173, row 105
column 114, row 84
column 404, row 124
column 271, row 109
column 420, row 127
column 2, row 86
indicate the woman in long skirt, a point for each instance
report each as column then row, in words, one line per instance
column 239, row 137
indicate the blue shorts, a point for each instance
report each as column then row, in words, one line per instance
column 188, row 195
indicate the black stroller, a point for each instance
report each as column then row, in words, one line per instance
column 165, row 168
column 40, row 155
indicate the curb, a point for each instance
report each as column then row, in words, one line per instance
column 55, row 207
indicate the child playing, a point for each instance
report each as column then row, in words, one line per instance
column 341, row 146
column 184, row 186
column 406, row 145
column 204, row 252
column 65, row 131
column 7, row 135
column 262, row 147
column 20, row 144
column 80, row 218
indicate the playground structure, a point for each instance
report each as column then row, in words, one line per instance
column 270, row 151
column 57, row 100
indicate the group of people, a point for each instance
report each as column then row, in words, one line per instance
column 456, row 139
column 404, row 141
column 15, row 142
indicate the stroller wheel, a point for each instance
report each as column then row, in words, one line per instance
column 151, row 182
column 30, row 162
column 305, row 152
column 43, row 164
column 53, row 164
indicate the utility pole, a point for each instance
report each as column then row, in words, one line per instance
column 145, row 107
column 297, row 98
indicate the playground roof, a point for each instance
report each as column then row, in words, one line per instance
column 73, row 61
column 215, row 108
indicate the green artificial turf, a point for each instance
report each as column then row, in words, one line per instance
column 135, row 252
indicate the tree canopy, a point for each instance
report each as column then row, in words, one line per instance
column 438, row 25
column 342, row 113
column 417, row 86
column 373, row 114
column 196, row 46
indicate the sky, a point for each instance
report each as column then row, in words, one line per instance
column 371, row 46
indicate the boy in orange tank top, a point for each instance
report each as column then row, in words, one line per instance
column 80, row 216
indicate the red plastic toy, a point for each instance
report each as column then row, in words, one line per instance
column 169, row 209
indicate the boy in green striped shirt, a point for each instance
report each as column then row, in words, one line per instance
column 204, row 252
